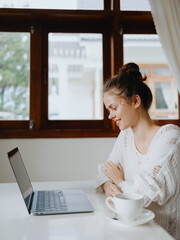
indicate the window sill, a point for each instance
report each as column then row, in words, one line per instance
column 63, row 133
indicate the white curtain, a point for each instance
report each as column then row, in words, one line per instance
column 166, row 15
column 167, row 94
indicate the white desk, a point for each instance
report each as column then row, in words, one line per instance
column 17, row 224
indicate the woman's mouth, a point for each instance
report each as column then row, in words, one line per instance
column 118, row 122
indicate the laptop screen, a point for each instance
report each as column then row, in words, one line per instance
column 21, row 175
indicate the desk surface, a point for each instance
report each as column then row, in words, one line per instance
column 17, row 224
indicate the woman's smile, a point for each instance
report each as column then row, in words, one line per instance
column 118, row 122
column 120, row 110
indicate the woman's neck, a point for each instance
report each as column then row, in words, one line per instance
column 144, row 131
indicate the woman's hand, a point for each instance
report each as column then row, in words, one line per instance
column 110, row 189
column 113, row 172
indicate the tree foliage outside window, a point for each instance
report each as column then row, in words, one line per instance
column 14, row 76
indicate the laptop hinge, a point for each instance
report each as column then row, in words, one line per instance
column 29, row 201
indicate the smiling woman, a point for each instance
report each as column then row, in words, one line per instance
column 120, row 110
column 130, row 82
column 145, row 158
column 125, row 93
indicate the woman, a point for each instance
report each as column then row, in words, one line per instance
column 145, row 158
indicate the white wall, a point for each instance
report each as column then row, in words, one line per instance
column 56, row 159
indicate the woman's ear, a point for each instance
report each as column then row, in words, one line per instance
column 137, row 101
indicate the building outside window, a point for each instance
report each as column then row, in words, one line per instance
column 147, row 51
column 75, row 76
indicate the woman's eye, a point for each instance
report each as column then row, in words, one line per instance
column 115, row 108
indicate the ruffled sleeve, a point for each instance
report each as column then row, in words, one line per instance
column 115, row 156
column 156, row 182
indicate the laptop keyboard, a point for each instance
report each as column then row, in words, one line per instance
column 50, row 201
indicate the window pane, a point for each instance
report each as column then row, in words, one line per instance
column 14, row 76
column 162, row 71
column 163, row 95
column 75, row 76
column 146, row 51
column 135, row 5
column 54, row 4
column 144, row 71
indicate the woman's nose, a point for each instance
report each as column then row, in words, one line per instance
column 110, row 115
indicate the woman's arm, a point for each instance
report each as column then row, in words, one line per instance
column 113, row 172
column 110, row 189
column 116, row 157
column 156, row 183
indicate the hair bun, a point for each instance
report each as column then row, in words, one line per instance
column 129, row 66
column 133, row 68
column 129, row 82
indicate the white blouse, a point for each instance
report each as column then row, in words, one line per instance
column 155, row 175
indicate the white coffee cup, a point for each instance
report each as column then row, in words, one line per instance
column 128, row 206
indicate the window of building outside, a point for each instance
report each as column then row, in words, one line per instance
column 56, row 55
column 142, row 49
column 75, row 76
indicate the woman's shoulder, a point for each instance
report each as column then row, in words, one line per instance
column 167, row 139
column 125, row 135
column 170, row 127
column 126, row 132
column 165, row 145
column 169, row 131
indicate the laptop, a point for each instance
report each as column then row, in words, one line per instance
column 47, row 202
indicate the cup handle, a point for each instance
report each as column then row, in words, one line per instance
column 108, row 204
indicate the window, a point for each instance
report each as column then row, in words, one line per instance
column 56, row 58
column 135, row 5
column 165, row 95
column 146, row 50
column 75, row 76
column 14, row 76
column 53, row 4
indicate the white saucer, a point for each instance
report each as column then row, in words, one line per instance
column 145, row 217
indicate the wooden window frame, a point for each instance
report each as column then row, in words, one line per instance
column 110, row 22
column 152, row 80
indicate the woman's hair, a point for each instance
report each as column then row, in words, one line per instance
column 130, row 82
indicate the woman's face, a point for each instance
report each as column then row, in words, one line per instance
column 122, row 111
